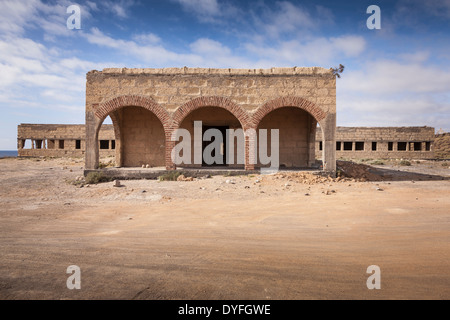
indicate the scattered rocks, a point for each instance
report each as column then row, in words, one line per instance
column 183, row 178
column 379, row 189
column 230, row 182
column 117, row 183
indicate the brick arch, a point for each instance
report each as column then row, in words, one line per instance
column 212, row 101
column 281, row 102
column 107, row 107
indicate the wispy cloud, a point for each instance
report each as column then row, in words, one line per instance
column 202, row 8
column 319, row 51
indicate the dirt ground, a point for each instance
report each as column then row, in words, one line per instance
column 282, row 236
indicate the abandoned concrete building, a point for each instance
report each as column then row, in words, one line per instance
column 60, row 140
column 147, row 106
column 57, row 140
column 381, row 143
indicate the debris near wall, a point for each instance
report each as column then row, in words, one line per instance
column 442, row 146
column 358, row 171
column 302, row 177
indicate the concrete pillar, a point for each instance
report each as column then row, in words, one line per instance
column 312, row 142
column 250, row 149
column 92, row 152
column 116, row 118
column 169, row 147
column 328, row 126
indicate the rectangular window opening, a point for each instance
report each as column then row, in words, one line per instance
column 417, row 146
column 390, row 146
column 348, row 146
column 104, row 144
column 338, row 146
column 374, row 146
column 113, row 144
column 359, row 146
column 78, row 144
column 61, row 144
column 428, row 146
column 401, row 146
column 320, row 146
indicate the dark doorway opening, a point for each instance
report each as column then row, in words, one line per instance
column 223, row 148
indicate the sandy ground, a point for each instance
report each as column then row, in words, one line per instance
column 255, row 237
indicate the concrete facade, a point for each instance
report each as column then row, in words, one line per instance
column 59, row 140
column 148, row 105
column 381, row 143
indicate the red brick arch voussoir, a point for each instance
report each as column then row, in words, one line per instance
column 106, row 108
column 289, row 101
column 212, row 101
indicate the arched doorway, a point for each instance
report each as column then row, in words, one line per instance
column 231, row 150
column 296, row 129
column 142, row 138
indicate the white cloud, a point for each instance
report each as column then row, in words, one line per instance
column 392, row 93
column 148, row 38
column 203, row 8
column 319, row 51
column 290, row 19
column 390, row 77
column 209, row 47
column 15, row 15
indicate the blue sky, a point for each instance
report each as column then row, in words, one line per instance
column 396, row 76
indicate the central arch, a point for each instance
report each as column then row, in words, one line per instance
column 212, row 101
column 227, row 110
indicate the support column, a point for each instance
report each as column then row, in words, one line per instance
column 92, row 152
column 329, row 143
column 312, row 142
column 250, row 149
column 116, row 118
column 170, row 145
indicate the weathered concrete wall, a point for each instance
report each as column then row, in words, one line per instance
column 142, row 138
column 382, row 142
column 293, row 126
column 248, row 94
column 58, row 140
